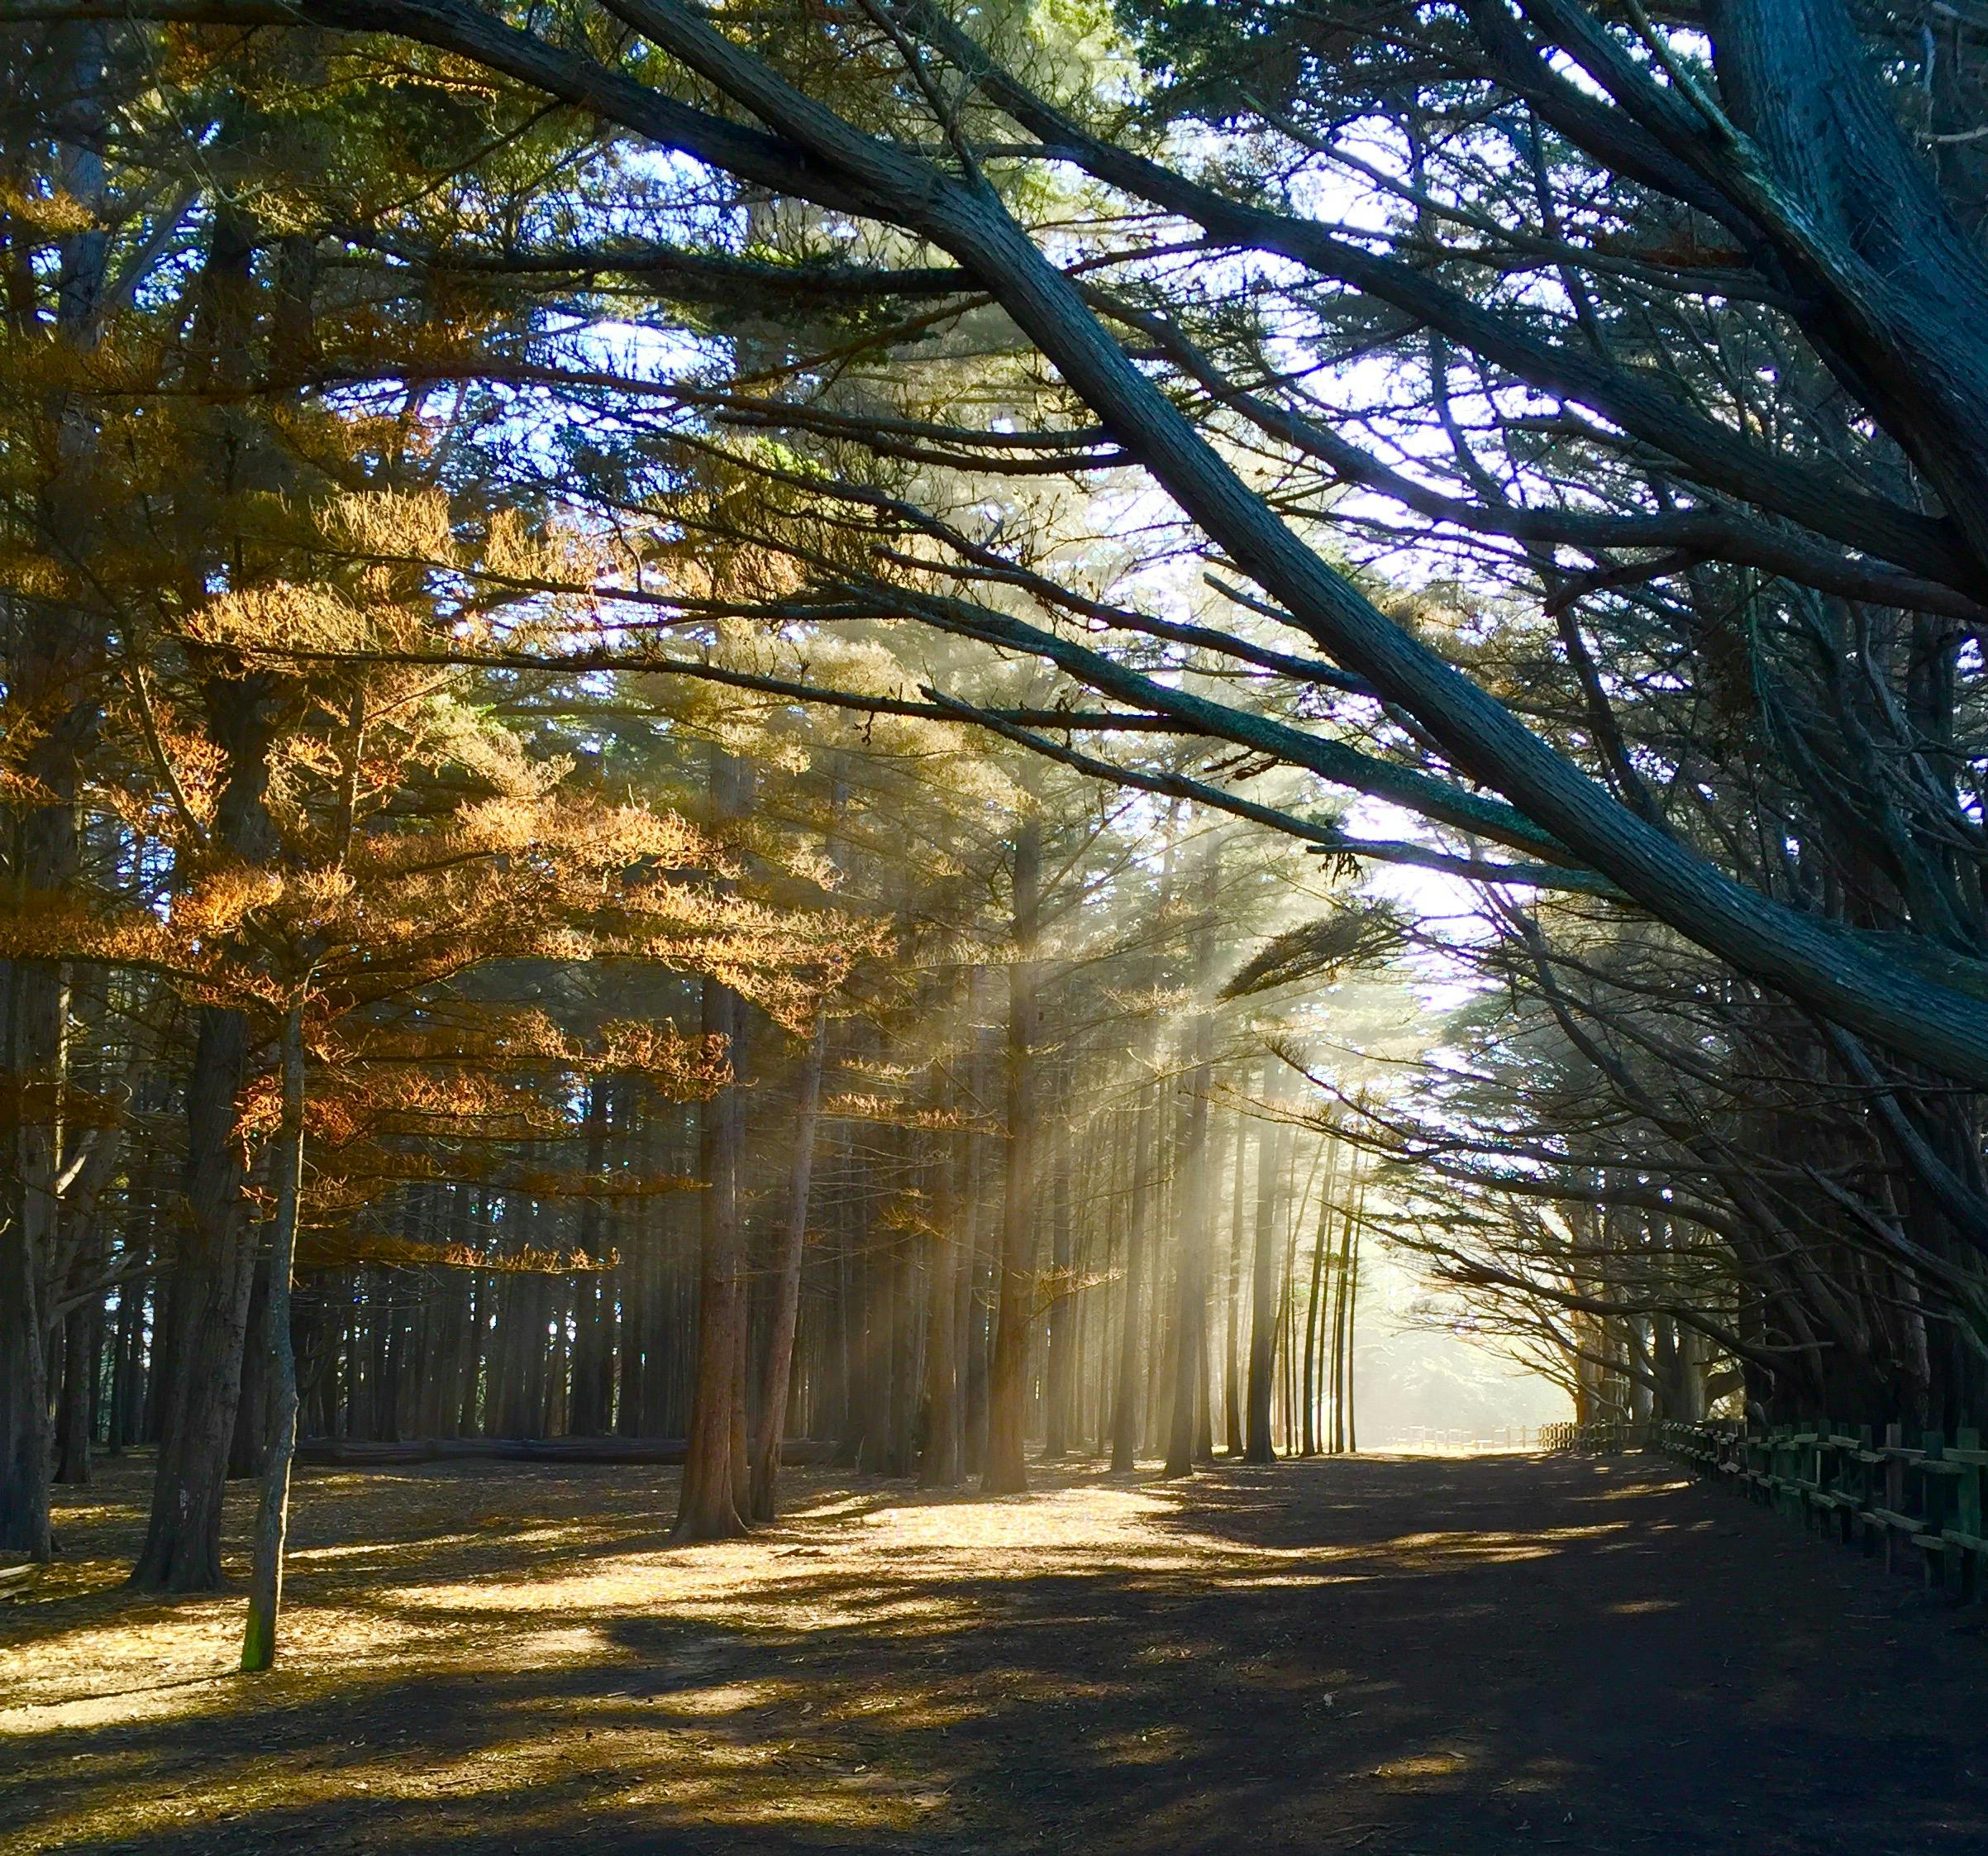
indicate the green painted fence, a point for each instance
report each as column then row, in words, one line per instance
column 1919, row 1505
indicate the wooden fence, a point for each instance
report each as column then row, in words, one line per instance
column 1597, row 1440
column 1476, row 1440
column 1920, row 1504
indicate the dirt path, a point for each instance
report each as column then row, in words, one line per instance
column 1393, row 1655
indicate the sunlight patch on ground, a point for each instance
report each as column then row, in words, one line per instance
column 585, row 1666
column 138, row 1664
column 1531, row 1545
column 1440, row 1763
column 904, row 1564
column 823, row 1570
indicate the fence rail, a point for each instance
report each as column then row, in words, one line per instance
column 1920, row 1504
column 1597, row 1440
column 1475, row 1440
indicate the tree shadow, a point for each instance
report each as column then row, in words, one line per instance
column 1390, row 1656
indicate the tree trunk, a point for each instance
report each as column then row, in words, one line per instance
column 593, row 1300
column 273, row 1511
column 1265, row 1295
column 1352, row 1311
column 126, row 1397
column 1321, row 1241
column 1194, row 1206
column 1058, row 1374
column 940, row 1467
column 250, row 1440
column 709, row 1507
column 209, row 1306
column 1191, row 1244
column 969, row 1307
column 76, row 1413
column 1128, row 1405
column 55, row 689
column 784, row 1317
column 1233, row 1399
column 1006, row 1472
column 1342, row 1315
column 207, row 1311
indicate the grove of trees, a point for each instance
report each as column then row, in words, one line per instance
column 701, row 703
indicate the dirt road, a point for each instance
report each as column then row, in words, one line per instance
column 1393, row 1655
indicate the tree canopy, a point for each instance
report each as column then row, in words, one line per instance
column 551, row 550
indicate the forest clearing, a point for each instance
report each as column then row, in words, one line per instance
column 863, row 863
column 1399, row 1655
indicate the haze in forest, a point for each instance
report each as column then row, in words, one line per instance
column 1033, row 766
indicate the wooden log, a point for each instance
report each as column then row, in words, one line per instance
column 354, row 1453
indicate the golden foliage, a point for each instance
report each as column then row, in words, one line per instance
column 320, row 1250
column 885, row 1111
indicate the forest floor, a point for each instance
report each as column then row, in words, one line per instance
column 1391, row 1655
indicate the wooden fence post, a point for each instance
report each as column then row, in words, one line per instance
column 1895, row 1489
column 1968, row 1513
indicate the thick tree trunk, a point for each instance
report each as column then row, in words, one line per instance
column 784, row 1316
column 209, row 1314
column 24, row 1440
column 46, row 861
column 709, row 1508
column 76, row 1412
column 209, row 1303
column 56, row 700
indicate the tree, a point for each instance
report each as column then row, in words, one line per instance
column 972, row 391
column 1006, row 1472
column 854, row 155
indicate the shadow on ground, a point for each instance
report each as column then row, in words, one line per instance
column 1388, row 1655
